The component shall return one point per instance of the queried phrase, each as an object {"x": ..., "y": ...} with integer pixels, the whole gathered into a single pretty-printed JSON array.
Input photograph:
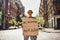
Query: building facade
[
  {"x": 20, "y": 6},
  {"x": 43, "y": 11},
  {"x": 20, "y": 10},
  {"x": 9, "y": 10},
  {"x": 57, "y": 13},
  {"x": 51, "y": 14},
  {"x": 0, "y": 13}
]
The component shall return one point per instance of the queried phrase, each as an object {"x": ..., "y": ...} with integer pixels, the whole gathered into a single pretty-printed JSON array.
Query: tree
[
  {"x": 20, "y": 19},
  {"x": 40, "y": 19},
  {"x": 0, "y": 15},
  {"x": 13, "y": 22},
  {"x": 0, "y": 18}
]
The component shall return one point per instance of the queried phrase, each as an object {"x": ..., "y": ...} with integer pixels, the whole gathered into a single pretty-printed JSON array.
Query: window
[
  {"x": 58, "y": 12},
  {"x": 56, "y": 1}
]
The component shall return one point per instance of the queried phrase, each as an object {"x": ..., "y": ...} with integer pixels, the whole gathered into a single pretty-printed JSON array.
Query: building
[
  {"x": 43, "y": 11},
  {"x": 50, "y": 11},
  {"x": 53, "y": 14},
  {"x": 0, "y": 3},
  {"x": 0, "y": 13},
  {"x": 20, "y": 10},
  {"x": 12, "y": 9},
  {"x": 20, "y": 6},
  {"x": 9, "y": 10},
  {"x": 56, "y": 4}
]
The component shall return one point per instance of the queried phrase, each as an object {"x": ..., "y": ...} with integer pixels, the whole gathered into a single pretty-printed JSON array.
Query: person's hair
[{"x": 30, "y": 11}]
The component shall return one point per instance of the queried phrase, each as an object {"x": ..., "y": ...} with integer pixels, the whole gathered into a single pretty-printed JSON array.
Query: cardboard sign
[{"x": 30, "y": 26}]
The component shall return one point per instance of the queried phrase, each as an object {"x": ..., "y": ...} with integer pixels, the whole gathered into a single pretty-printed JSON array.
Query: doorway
[{"x": 58, "y": 23}]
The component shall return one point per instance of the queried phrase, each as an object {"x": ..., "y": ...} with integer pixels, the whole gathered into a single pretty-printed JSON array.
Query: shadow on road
[{"x": 9, "y": 29}]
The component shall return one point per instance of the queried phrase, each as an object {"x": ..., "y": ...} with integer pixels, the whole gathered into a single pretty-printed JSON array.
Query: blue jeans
[{"x": 31, "y": 37}]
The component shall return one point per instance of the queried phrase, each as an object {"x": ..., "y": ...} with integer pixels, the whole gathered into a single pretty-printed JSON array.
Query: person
[{"x": 30, "y": 12}]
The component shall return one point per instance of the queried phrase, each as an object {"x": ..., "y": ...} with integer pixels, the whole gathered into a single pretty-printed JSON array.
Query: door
[{"x": 58, "y": 23}]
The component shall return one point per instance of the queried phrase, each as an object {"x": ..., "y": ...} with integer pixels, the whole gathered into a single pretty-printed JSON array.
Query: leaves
[
  {"x": 19, "y": 22},
  {"x": 40, "y": 19},
  {"x": 13, "y": 22},
  {"x": 0, "y": 15},
  {"x": 21, "y": 15}
]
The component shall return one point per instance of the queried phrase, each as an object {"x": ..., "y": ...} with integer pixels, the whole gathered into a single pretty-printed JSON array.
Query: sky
[{"x": 31, "y": 5}]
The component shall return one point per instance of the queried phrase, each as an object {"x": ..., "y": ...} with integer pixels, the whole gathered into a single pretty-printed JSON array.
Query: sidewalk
[{"x": 50, "y": 30}]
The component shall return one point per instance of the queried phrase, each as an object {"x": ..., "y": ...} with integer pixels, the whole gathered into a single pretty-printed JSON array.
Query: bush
[
  {"x": 13, "y": 22},
  {"x": 40, "y": 19}
]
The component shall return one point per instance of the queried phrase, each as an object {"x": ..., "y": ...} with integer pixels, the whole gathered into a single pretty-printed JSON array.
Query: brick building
[
  {"x": 50, "y": 12},
  {"x": 9, "y": 10},
  {"x": 20, "y": 6},
  {"x": 43, "y": 11},
  {"x": 50, "y": 9},
  {"x": 56, "y": 4},
  {"x": 0, "y": 12},
  {"x": 20, "y": 10}
]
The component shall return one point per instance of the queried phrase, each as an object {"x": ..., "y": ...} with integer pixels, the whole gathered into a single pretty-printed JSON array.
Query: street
[{"x": 16, "y": 34}]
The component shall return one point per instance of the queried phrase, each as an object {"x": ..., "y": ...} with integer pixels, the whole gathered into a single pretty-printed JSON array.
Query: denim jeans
[{"x": 31, "y": 37}]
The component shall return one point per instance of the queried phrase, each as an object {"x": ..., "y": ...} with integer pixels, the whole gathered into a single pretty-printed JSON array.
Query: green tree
[
  {"x": 20, "y": 18},
  {"x": 0, "y": 15},
  {"x": 13, "y": 22},
  {"x": 40, "y": 19}
]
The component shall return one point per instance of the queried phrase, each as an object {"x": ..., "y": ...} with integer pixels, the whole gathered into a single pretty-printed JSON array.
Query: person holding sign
[{"x": 30, "y": 27}]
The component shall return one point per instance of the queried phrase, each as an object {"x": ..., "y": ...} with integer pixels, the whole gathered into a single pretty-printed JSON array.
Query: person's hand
[{"x": 22, "y": 26}]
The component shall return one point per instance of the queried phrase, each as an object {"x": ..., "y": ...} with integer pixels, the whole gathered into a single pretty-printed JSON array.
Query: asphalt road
[{"x": 17, "y": 35}]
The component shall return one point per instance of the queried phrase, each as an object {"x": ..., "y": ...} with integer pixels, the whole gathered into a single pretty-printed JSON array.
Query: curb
[{"x": 49, "y": 30}]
